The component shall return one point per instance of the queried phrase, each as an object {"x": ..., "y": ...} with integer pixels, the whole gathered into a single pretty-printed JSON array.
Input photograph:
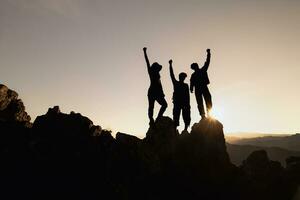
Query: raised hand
[
  {"x": 172, "y": 72},
  {"x": 147, "y": 59}
]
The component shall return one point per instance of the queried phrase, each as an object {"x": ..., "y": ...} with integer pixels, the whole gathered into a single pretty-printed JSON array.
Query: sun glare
[{"x": 217, "y": 113}]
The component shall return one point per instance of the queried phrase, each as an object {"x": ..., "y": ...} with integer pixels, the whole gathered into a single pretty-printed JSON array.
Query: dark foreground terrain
[
  {"x": 238, "y": 153},
  {"x": 66, "y": 156}
]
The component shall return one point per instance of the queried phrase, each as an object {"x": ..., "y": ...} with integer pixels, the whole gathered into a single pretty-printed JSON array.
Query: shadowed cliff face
[{"x": 66, "y": 156}]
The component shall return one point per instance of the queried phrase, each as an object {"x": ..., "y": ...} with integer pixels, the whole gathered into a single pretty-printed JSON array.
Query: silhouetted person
[
  {"x": 155, "y": 91},
  {"x": 199, "y": 81},
  {"x": 181, "y": 98}
]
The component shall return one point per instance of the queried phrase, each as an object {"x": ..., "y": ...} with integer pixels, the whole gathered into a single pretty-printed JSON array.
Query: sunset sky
[{"x": 86, "y": 56}]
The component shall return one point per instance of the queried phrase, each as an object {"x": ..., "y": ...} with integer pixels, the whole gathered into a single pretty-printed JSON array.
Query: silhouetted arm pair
[
  {"x": 206, "y": 64},
  {"x": 147, "y": 59},
  {"x": 172, "y": 72}
]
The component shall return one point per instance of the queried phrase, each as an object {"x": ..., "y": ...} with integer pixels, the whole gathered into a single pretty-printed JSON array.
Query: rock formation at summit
[{"x": 67, "y": 156}]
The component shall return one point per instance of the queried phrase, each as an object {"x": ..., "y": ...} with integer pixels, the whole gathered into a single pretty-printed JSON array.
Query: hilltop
[{"x": 63, "y": 155}]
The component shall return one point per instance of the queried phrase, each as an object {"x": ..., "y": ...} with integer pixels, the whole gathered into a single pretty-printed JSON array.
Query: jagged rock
[
  {"x": 96, "y": 130},
  {"x": 127, "y": 140},
  {"x": 55, "y": 123},
  {"x": 209, "y": 135},
  {"x": 211, "y": 131},
  {"x": 201, "y": 155},
  {"x": 163, "y": 129},
  {"x": 12, "y": 109},
  {"x": 6, "y": 96},
  {"x": 162, "y": 133},
  {"x": 106, "y": 138},
  {"x": 161, "y": 138}
]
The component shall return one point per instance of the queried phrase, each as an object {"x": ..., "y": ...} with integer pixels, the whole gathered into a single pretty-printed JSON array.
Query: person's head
[
  {"x": 182, "y": 76},
  {"x": 156, "y": 67},
  {"x": 194, "y": 66}
]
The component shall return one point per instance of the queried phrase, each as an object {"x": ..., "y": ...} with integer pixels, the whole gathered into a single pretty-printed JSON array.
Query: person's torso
[
  {"x": 181, "y": 93},
  {"x": 155, "y": 84},
  {"x": 200, "y": 78}
]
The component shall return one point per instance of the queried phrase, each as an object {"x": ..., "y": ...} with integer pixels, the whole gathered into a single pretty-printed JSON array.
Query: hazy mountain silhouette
[
  {"x": 67, "y": 156},
  {"x": 291, "y": 142}
]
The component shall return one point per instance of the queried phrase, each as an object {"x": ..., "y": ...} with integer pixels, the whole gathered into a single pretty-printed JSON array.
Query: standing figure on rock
[
  {"x": 181, "y": 98},
  {"x": 155, "y": 91},
  {"x": 199, "y": 81}
]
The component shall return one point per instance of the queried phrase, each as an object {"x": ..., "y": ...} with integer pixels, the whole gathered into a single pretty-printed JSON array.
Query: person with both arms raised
[{"x": 181, "y": 98}]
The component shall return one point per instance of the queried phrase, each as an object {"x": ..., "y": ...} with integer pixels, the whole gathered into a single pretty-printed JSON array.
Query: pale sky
[{"x": 86, "y": 56}]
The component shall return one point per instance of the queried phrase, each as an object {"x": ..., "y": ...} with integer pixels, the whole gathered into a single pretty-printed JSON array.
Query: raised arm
[
  {"x": 206, "y": 64},
  {"x": 172, "y": 72},
  {"x": 146, "y": 58}
]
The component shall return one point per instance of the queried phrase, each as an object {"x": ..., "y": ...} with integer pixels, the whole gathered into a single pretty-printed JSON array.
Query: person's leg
[
  {"x": 150, "y": 109},
  {"x": 186, "y": 114},
  {"x": 162, "y": 101},
  {"x": 176, "y": 114},
  {"x": 199, "y": 100},
  {"x": 207, "y": 98}
]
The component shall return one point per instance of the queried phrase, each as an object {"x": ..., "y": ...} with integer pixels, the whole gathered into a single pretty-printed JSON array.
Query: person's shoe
[
  {"x": 184, "y": 133},
  {"x": 186, "y": 128}
]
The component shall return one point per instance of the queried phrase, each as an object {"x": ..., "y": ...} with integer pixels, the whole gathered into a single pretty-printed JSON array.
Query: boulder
[
  {"x": 161, "y": 138},
  {"x": 208, "y": 138},
  {"x": 163, "y": 130}
]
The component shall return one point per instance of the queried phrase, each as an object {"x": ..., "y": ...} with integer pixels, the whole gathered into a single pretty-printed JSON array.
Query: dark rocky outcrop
[
  {"x": 12, "y": 109},
  {"x": 67, "y": 156},
  {"x": 266, "y": 177},
  {"x": 293, "y": 169},
  {"x": 57, "y": 124}
]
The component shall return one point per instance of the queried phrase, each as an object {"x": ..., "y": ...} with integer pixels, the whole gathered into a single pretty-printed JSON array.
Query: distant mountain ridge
[{"x": 290, "y": 142}]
